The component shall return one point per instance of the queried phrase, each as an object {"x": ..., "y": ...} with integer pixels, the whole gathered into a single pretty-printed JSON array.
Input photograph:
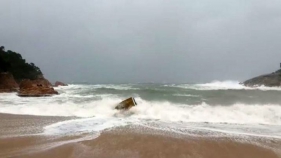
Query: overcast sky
[{"x": 129, "y": 41}]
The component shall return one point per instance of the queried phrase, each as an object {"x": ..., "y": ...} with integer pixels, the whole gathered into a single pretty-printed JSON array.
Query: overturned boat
[{"x": 126, "y": 104}]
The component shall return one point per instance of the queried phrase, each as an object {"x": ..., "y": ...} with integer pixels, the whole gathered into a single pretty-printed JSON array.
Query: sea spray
[
  {"x": 220, "y": 106},
  {"x": 165, "y": 111},
  {"x": 222, "y": 85}
]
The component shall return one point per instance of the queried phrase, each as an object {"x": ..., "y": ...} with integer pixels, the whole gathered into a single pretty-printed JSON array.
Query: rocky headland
[
  {"x": 16, "y": 75},
  {"x": 268, "y": 80}
]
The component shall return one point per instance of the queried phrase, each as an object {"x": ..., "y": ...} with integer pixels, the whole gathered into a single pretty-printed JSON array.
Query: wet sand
[{"x": 20, "y": 138}]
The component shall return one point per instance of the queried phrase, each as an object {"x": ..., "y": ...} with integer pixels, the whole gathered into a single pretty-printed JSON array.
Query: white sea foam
[
  {"x": 223, "y": 85},
  {"x": 237, "y": 113},
  {"x": 186, "y": 95},
  {"x": 117, "y": 87},
  {"x": 255, "y": 120},
  {"x": 97, "y": 86},
  {"x": 83, "y": 125},
  {"x": 165, "y": 111},
  {"x": 45, "y": 107},
  {"x": 98, "y": 113}
]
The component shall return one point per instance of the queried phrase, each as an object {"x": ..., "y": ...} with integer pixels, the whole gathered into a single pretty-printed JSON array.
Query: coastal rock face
[
  {"x": 36, "y": 88},
  {"x": 58, "y": 83},
  {"x": 8, "y": 83},
  {"x": 269, "y": 80},
  {"x": 126, "y": 104}
]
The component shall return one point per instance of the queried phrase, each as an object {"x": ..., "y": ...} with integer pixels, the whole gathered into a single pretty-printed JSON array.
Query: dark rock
[
  {"x": 58, "y": 83},
  {"x": 269, "y": 80},
  {"x": 8, "y": 83},
  {"x": 126, "y": 104},
  {"x": 36, "y": 88}
]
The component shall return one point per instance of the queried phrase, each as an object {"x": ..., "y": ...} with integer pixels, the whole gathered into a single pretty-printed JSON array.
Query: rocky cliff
[
  {"x": 8, "y": 83},
  {"x": 269, "y": 80},
  {"x": 14, "y": 69}
]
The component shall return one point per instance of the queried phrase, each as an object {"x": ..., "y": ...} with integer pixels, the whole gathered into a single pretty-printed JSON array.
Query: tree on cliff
[{"x": 14, "y": 63}]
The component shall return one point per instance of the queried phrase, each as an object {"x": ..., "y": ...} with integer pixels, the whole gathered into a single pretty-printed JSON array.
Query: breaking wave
[
  {"x": 93, "y": 108},
  {"x": 165, "y": 111},
  {"x": 97, "y": 86},
  {"x": 224, "y": 85},
  {"x": 238, "y": 118}
]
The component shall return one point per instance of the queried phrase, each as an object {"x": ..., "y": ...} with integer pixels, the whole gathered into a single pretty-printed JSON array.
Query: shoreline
[
  {"x": 128, "y": 141},
  {"x": 17, "y": 125}
]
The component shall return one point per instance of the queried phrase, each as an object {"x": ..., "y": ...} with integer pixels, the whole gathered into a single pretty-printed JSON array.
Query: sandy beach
[
  {"x": 140, "y": 79},
  {"x": 20, "y": 137}
]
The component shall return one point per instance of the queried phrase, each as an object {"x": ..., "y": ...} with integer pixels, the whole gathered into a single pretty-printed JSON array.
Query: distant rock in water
[
  {"x": 58, "y": 83},
  {"x": 8, "y": 83},
  {"x": 126, "y": 104},
  {"x": 269, "y": 80},
  {"x": 36, "y": 88}
]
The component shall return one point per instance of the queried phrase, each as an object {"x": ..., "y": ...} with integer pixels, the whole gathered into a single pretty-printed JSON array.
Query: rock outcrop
[
  {"x": 36, "y": 88},
  {"x": 8, "y": 83},
  {"x": 269, "y": 80},
  {"x": 126, "y": 104},
  {"x": 58, "y": 83}
]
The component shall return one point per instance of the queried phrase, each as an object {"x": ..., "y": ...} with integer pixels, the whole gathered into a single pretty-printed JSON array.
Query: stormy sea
[{"x": 216, "y": 119}]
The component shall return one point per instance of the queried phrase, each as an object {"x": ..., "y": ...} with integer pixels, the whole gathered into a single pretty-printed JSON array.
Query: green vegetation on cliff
[{"x": 14, "y": 63}]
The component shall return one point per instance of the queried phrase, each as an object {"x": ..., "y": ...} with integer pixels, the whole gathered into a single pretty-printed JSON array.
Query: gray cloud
[{"x": 145, "y": 41}]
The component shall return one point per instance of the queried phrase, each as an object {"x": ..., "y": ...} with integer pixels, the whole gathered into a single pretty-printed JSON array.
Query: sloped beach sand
[{"x": 20, "y": 138}]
